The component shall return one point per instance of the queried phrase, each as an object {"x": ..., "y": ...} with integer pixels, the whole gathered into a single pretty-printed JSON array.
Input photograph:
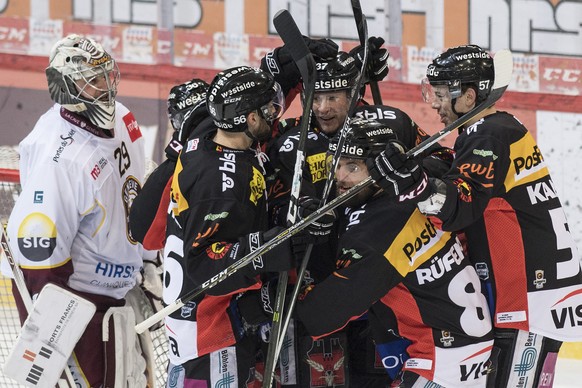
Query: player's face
[
  {"x": 260, "y": 129},
  {"x": 330, "y": 110},
  {"x": 350, "y": 172},
  {"x": 442, "y": 103}
]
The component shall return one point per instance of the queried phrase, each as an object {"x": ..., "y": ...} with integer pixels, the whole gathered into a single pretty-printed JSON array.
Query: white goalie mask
[{"x": 83, "y": 78}]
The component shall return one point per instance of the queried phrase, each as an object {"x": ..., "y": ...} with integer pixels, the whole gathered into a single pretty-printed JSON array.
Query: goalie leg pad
[
  {"x": 130, "y": 365},
  {"x": 48, "y": 337},
  {"x": 142, "y": 307}
]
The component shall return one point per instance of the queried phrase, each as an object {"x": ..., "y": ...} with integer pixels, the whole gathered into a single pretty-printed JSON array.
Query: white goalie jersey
[{"x": 72, "y": 215}]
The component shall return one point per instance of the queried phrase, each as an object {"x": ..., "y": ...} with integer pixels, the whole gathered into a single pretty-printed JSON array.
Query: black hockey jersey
[
  {"x": 391, "y": 257},
  {"x": 218, "y": 195},
  {"x": 500, "y": 193}
]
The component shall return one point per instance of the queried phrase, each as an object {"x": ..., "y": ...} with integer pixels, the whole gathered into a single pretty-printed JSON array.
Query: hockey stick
[
  {"x": 503, "y": 65},
  {"x": 330, "y": 177},
  {"x": 67, "y": 380},
  {"x": 363, "y": 35},
  {"x": 233, "y": 268},
  {"x": 503, "y": 69},
  {"x": 291, "y": 36}
]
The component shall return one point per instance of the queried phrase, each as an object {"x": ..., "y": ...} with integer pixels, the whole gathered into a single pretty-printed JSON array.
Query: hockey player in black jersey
[
  {"x": 500, "y": 193},
  {"x": 334, "y": 89},
  {"x": 217, "y": 215},
  {"x": 186, "y": 110},
  {"x": 412, "y": 280}
]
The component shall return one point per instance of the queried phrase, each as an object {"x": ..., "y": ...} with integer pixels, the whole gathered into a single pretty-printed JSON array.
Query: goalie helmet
[
  {"x": 185, "y": 99},
  {"x": 458, "y": 66},
  {"x": 237, "y": 91},
  {"x": 83, "y": 78},
  {"x": 340, "y": 73},
  {"x": 364, "y": 138}
]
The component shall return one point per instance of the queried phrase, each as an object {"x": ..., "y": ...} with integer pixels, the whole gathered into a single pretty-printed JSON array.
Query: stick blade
[{"x": 503, "y": 65}]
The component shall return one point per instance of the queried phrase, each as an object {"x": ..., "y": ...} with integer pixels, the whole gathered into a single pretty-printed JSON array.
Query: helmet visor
[
  {"x": 96, "y": 84},
  {"x": 440, "y": 92},
  {"x": 274, "y": 109}
]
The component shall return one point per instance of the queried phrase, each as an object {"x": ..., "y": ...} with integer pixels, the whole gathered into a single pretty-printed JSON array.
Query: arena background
[{"x": 160, "y": 45}]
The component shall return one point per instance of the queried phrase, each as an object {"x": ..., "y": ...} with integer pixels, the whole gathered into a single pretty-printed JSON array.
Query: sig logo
[{"x": 37, "y": 237}]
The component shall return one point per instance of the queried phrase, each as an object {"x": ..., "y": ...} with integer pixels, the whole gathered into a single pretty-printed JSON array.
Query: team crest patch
[
  {"x": 217, "y": 250},
  {"x": 327, "y": 362}
]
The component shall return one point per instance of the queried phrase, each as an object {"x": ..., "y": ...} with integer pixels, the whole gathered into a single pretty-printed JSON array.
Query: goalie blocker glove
[
  {"x": 281, "y": 65},
  {"x": 400, "y": 177},
  {"x": 377, "y": 68}
]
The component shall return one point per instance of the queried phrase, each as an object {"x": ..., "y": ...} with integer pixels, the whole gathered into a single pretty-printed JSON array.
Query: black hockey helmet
[
  {"x": 237, "y": 91},
  {"x": 364, "y": 138},
  {"x": 339, "y": 73},
  {"x": 185, "y": 98},
  {"x": 458, "y": 66}
]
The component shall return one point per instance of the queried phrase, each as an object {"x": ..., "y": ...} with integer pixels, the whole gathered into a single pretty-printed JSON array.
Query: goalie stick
[
  {"x": 503, "y": 69},
  {"x": 363, "y": 35},
  {"x": 291, "y": 36}
]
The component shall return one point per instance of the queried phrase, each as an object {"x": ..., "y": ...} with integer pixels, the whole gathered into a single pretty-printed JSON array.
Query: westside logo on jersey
[
  {"x": 37, "y": 237},
  {"x": 132, "y": 127}
]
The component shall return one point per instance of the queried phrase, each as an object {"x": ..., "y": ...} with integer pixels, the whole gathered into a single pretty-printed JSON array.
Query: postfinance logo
[
  {"x": 257, "y": 185},
  {"x": 37, "y": 237}
]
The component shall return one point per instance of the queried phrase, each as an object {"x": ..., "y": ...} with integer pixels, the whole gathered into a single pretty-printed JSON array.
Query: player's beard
[{"x": 361, "y": 197}]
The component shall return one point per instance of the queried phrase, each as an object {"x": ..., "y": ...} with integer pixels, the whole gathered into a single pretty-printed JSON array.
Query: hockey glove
[
  {"x": 277, "y": 259},
  {"x": 256, "y": 307},
  {"x": 377, "y": 68},
  {"x": 280, "y": 63},
  {"x": 399, "y": 176},
  {"x": 317, "y": 232}
]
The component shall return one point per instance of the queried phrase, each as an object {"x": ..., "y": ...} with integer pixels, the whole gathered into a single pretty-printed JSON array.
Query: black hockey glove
[
  {"x": 256, "y": 307},
  {"x": 377, "y": 68},
  {"x": 282, "y": 257},
  {"x": 319, "y": 231},
  {"x": 280, "y": 63},
  {"x": 399, "y": 176}
]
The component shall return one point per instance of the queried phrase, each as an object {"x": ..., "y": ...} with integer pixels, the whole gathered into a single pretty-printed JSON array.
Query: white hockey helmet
[{"x": 83, "y": 78}]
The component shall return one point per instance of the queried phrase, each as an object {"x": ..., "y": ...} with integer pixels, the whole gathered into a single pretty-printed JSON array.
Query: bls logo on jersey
[
  {"x": 375, "y": 113},
  {"x": 37, "y": 237}
]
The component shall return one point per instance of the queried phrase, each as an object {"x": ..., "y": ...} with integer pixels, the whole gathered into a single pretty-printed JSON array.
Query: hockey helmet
[
  {"x": 237, "y": 91},
  {"x": 184, "y": 99},
  {"x": 339, "y": 73},
  {"x": 458, "y": 66},
  {"x": 83, "y": 78},
  {"x": 364, "y": 138}
]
